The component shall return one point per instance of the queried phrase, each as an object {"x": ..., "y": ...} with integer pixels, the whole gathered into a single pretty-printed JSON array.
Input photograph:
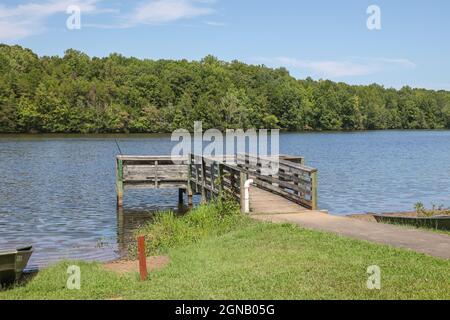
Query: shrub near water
[
  {"x": 170, "y": 231},
  {"x": 435, "y": 211}
]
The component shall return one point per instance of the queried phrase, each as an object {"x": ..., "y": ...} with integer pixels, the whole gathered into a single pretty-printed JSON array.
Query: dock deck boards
[
  {"x": 264, "y": 202},
  {"x": 295, "y": 184},
  {"x": 209, "y": 176}
]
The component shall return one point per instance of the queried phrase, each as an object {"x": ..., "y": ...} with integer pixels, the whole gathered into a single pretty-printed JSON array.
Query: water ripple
[{"x": 58, "y": 192}]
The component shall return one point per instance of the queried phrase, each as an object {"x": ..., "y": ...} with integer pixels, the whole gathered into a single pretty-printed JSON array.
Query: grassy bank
[
  {"x": 235, "y": 258},
  {"x": 169, "y": 231}
]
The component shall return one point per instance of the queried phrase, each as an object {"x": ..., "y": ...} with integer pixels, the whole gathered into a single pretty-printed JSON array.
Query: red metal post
[{"x": 142, "y": 258}]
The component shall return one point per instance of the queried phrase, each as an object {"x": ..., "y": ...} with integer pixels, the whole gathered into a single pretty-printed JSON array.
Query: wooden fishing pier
[{"x": 292, "y": 187}]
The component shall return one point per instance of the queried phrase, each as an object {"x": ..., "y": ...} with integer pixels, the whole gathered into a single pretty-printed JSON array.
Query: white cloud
[
  {"x": 400, "y": 62},
  {"x": 165, "y": 11},
  {"x": 215, "y": 24},
  {"x": 23, "y": 20},
  {"x": 28, "y": 19},
  {"x": 351, "y": 67},
  {"x": 330, "y": 69}
]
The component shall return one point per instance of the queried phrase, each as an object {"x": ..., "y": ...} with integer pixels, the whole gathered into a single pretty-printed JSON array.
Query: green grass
[
  {"x": 242, "y": 259},
  {"x": 411, "y": 226},
  {"x": 206, "y": 221}
]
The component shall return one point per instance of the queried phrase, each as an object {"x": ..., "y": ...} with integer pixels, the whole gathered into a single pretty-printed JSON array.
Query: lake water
[{"x": 58, "y": 192}]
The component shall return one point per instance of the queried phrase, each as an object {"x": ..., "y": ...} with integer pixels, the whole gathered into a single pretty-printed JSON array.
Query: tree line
[{"x": 79, "y": 94}]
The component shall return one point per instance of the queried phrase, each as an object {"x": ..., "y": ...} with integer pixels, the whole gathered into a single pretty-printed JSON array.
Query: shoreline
[
  {"x": 282, "y": 131},
  {"x": 370, "y": 216},
  {"x": 158, "y": 262},
  {"x": 292, "y": 260}
]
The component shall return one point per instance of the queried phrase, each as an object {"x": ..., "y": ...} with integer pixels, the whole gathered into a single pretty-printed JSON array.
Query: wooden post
[
  {"x": 119, "y": 183},
  {"x": 156, "y": 174},
  {"x": 243, "y": 179},
  {"x": 180, "y": 196},
  {"x": 220, "y": 178},
  {"x": 197, "y": 174},
  {"x": 213, "y": 186},
  {"x": 314, "y": 190},
  {"x": 121, "y": 229},
  {"x": 203, "y": 181},
  {"x": 190, "y": 197},
  {"x": 189, "y": 183},
  {"x": 142, "y": 258},
  {"x": 297, "y": 177}
]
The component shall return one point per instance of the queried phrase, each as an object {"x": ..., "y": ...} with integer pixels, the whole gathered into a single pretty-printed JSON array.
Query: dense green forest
[{"x": 76, "y": 93}]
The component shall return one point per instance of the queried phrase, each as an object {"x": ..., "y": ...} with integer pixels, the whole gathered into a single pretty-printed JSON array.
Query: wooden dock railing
[
  {"x": 293, "y": 180},
  {"x": 150, "y": 172},
  {"x": 210, "y": 176}
]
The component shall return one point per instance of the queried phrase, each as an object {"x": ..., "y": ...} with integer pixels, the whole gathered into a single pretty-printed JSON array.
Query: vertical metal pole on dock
[
  {"x": 142, "y": 258},
  {"x": 119, "y": 182}
]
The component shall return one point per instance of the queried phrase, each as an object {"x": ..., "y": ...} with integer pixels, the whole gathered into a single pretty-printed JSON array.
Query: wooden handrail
[
  {"x": 198, "y": 175},
  {"x": 293, "y": 181}
]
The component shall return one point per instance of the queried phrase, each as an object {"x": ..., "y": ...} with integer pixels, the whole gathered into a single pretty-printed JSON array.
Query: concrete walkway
[{"x": 427, "y": 242}]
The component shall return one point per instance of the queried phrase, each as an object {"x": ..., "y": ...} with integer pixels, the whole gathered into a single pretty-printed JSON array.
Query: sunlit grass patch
[{"x": 228, "y": 256}]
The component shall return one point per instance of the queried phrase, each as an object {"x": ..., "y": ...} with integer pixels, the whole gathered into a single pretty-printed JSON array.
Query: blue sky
[{"x": 321, "y": 38}]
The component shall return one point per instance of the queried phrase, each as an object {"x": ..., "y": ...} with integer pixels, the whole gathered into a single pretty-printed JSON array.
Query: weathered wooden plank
[
  {"x": 150, "y": 167},
  {"x": 266, "y": 202},
  {"x": 294, "y": 181},
  {"x": 160, "y": 177},
  {"x": 295, "y": 176},
  {"x": 151, "y": 185},
  {"x": 155, "y": 174},
  {"x": 294, "y": 159},
  {"x": 152, "y": 158},
  {"x": 314, "y": 199},
  {"x": 284, "y": 184},
  {"x": 287, "y": 195}
]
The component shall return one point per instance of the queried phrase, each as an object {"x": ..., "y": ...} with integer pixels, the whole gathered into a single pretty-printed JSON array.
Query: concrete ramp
[{"x": 272, "y": 208}]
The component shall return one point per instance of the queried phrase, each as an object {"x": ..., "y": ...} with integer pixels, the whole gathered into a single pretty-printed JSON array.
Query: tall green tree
[{"x": 77, "y": 93}]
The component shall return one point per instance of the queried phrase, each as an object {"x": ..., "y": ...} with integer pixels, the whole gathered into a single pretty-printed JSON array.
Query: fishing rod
[{"x": 118, "y": 147}]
